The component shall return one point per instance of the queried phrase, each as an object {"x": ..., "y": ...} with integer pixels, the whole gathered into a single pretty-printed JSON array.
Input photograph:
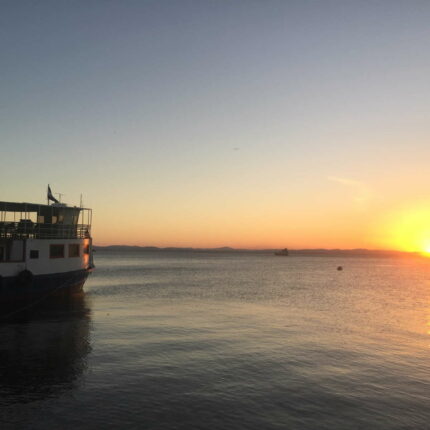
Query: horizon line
[{"x": 255, "y": 249}]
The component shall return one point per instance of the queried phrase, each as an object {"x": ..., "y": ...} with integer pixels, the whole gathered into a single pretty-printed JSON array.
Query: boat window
[
  {"x": 56, "y": 251},
  {"x": 54, "y": 219},
  {"x": 40, "y": 219},
  {"x": 34, "y": 253},
  {"x": 74, "y": 250}
]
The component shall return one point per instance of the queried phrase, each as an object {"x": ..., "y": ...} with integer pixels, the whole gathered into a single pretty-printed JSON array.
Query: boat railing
[{"x": 26, "y": 229}]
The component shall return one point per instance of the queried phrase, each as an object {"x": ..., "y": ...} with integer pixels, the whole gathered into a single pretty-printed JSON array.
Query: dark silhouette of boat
[
  {"x": 44, "y": 249},
  {"x": 283, "y": 252}
]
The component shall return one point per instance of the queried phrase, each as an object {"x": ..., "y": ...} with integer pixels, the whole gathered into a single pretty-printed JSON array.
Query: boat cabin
[{"x": 21, "y": 221}]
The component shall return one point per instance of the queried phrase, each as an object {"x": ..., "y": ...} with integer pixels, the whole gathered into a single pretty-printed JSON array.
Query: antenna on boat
[
  {"x": 59, "y": 196},
  {"x": 81, "y": 204}
]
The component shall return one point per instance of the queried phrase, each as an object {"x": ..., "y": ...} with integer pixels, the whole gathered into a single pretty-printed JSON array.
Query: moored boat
[{"x": 45, "y": 249}]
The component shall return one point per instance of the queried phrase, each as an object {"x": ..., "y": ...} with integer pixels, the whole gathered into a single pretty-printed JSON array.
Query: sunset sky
[{"x": 254, "y": 124}]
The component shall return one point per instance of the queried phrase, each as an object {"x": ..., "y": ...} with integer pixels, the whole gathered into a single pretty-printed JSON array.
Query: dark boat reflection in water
[{"x": 43, "y": 349}]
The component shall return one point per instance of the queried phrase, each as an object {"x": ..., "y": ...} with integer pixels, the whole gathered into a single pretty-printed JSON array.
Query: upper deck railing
[
  {"x": 26, "y": 229},
  {"x": 35, "y": 221}
]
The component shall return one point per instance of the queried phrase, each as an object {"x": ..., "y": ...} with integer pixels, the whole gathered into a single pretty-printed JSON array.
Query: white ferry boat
[{"x": 44, "y": 249}]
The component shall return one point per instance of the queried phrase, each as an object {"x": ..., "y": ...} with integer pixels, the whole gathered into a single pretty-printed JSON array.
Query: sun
[
  {"x": 409, "y": 230},
  {"x": 425, "y": 244}
]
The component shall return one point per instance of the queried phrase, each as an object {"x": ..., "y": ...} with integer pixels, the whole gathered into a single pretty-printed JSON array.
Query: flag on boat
[{"x": 51, "y": 196}]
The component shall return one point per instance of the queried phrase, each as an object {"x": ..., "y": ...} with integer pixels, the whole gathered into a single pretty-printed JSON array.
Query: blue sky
[{"x": 214, "y": 109}]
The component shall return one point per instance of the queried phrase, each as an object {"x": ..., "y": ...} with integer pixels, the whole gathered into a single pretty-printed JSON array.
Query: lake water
[{"x": 225, "y": 341}]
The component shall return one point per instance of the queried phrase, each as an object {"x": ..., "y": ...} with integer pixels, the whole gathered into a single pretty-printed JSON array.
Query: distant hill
[
  {"x": 292, "y": 252},
  {"x": 168, "y": 249}
]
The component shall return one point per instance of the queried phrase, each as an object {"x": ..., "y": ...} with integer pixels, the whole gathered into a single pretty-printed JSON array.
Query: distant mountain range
[{"x": 292, "y": 252}]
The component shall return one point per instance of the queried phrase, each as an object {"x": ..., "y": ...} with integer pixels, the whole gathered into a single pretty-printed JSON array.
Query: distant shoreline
[{"x": 292, "y": 252}]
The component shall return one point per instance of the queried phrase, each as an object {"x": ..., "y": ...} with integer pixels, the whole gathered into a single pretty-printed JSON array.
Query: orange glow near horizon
[
  {"x": 330, "y": 220},
  {"x": 397, "y": 229},
  {"x": 236, "y": 230}
]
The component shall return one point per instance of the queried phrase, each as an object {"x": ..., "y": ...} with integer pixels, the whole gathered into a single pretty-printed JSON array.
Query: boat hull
[{"x": 40, "y": 286}]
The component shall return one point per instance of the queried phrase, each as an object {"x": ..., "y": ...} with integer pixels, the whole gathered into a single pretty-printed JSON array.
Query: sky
[{"x": 252, "y": 124}]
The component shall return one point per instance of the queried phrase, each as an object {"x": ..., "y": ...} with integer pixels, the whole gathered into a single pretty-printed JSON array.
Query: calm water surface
[{"x": 220, "y": 341}]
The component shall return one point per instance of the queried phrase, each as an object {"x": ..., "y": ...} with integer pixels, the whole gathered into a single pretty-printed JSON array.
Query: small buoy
[{"x": 339, "y": 268}]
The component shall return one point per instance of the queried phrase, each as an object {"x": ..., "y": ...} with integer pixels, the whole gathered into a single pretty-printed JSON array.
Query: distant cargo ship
[
  {"x": 284, "y": 252},
  {"x": 44, "y": 249}
]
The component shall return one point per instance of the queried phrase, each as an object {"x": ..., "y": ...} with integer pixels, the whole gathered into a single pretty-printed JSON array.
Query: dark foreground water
[{"x": 219, "y": 341}]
